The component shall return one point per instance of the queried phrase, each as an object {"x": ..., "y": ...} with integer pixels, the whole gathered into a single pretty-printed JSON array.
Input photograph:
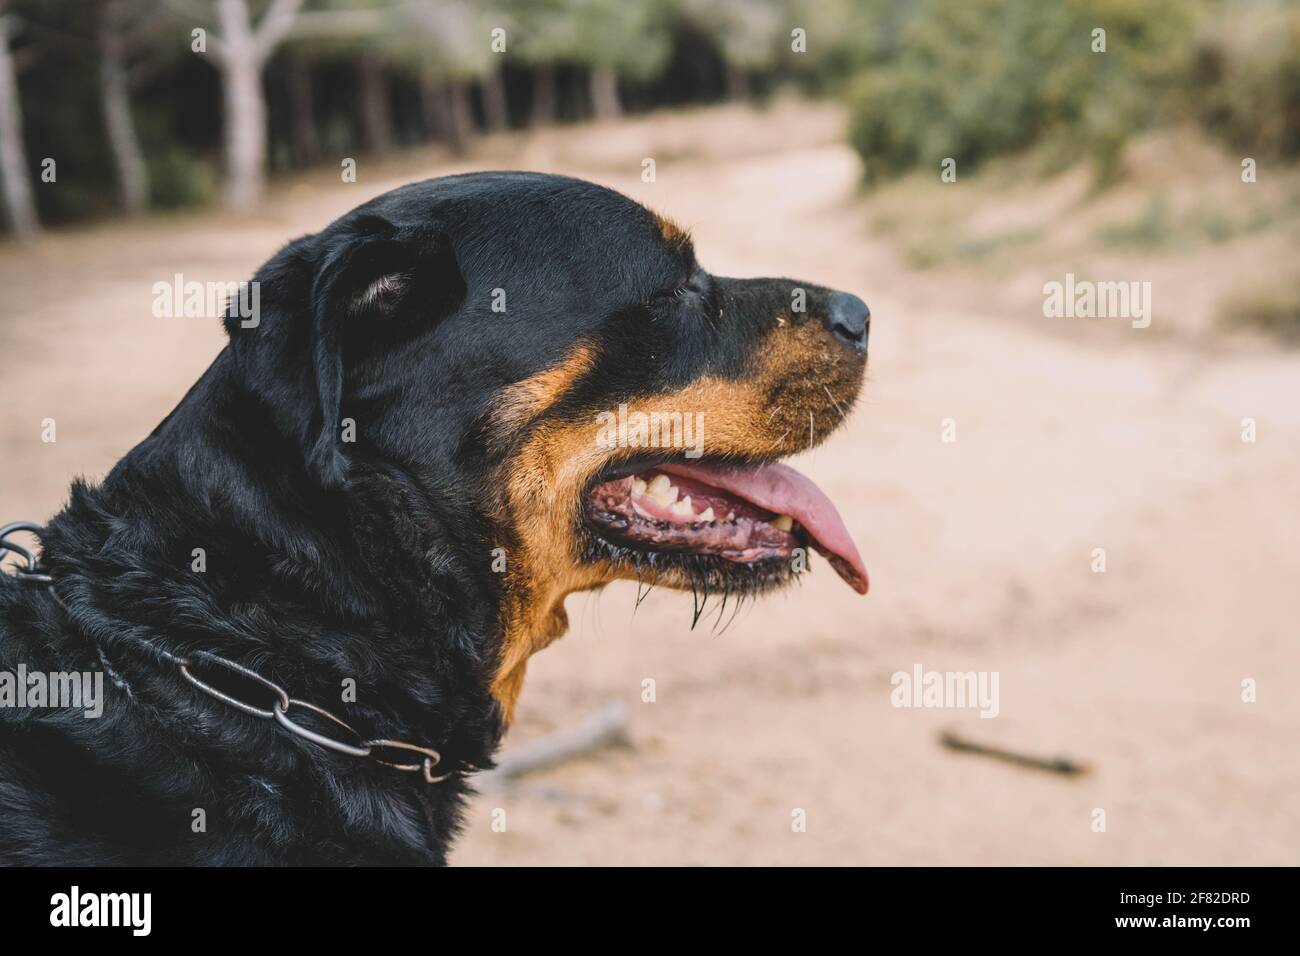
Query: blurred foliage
[
  {"x": 1273, "y": 310},
  {"x": 924, "y": 79},
  {"x": 976, "y": 78},
  {"x": 750, "y": 33},
  {"x": 59, "y": 131},
  {"x": 1152, "y": 228},
  {"x": 847, "y": 38},
  {"x": 1246, "y": 78},
  {"x": 629, "y": 36},
  {"x": 178, "y": 178},
  {"x": 446, "y": 39}
]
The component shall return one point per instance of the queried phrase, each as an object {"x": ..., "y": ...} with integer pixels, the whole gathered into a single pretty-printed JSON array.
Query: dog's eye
[
  {"x": 696, "y": 285},
  {"x": 691, "y": 287}
]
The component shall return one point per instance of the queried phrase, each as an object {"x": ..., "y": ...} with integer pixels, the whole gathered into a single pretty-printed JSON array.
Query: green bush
[
  {"x": 1273, "y": 310},
  {"x": 1246, "y": 79},
  {"x": 977, "y": 78},
  {"x": 178, "y": 178}
]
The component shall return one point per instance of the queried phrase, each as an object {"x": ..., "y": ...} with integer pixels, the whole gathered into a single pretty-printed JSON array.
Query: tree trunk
[
  {"x": 245, "y": 106},
  {"x": 605, "y": 102},
  {"x": 545, "y": 97},
  {"x": 20, "y": 207},
  {"x": 435, "y": 102},
  {"x": 737, "y": 83},
  {"x": 302, "y": 107},
  {"x": 462, "y": 117},
  {"x": 245, "y": 132},
  {"x": 376, "y": 127},
  {"x": 115, "y": 101},
  {"x": 496, "y": 114},
  {"x": 434, "y": 108}
]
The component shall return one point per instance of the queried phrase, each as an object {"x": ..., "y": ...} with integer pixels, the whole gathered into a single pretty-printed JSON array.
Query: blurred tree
[
  {"x": 450, "y": 47},
  {"x": 373, "y": 106},
  {"x": 351, "y": 32},
  {"x": 303, "y": 136},
  {"x": 613, "y": 38},
  {"x": 843, "y": 37},
  {"x": 1245, "y": 85},
  {"x": 124, "y": 30},
  {"x": 546, "y": 95},
  {"x": 977, "y": 78},
  {"x": 239, "y": 50},
  {"x": 545, "y": 37},
  {"x": 620, "y": 39},
  {"x": 122, "y": 40},
  {"x": 447, "y": 111},
  {"x": 368, "y": 33},
  {"x": 750, "y": 34},
  {"x": 496, "y": 109},
  {"x": 20, "y": 206}
]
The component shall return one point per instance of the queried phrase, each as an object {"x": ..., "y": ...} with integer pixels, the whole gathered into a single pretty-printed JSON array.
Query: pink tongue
[{"x": 781, "y": 489}]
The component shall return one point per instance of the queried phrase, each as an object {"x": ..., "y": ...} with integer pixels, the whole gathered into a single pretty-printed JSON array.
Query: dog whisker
[{"x": 837, "y": 405}]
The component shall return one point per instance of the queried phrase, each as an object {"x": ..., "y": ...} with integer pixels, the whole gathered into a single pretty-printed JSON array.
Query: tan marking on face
[
  {"x": 764, "y": 413},
  {"x": 525, "y": 400}
]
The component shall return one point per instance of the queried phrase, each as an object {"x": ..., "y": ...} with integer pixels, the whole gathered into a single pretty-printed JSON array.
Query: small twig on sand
[
  {"x": 607, "y": 727},
  {"x": 1061, "y": 765}
]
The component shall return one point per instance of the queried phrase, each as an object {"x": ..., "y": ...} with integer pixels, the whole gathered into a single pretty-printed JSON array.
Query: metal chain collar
[{"x": 426, "y": 759}]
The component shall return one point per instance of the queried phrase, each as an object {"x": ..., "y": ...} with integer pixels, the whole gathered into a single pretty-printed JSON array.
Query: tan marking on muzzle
[{"x": 544, "y": 480}]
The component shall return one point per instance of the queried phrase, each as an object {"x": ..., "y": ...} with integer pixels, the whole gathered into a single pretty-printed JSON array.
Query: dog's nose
[{"x": 848, "y": 319}]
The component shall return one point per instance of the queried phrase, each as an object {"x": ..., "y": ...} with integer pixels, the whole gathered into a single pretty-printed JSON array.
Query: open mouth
[{"x": 738, "y": 518}]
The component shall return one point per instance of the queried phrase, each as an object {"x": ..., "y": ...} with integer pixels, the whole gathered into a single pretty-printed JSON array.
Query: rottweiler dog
[{"x": 314, "y": 589}]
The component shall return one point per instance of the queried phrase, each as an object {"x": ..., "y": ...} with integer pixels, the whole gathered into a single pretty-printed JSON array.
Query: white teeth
[
  {"x": 662, "y": 490},
  {"x": 665, "y": 493},
  {"x": 784, "y": 522}
]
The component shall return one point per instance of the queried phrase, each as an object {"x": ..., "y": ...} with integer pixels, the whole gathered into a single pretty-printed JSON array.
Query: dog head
[{"x": 555, "y": 365}]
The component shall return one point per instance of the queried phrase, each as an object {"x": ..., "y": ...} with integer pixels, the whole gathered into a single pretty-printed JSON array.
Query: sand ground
[{"x": 1071, "y": 435}]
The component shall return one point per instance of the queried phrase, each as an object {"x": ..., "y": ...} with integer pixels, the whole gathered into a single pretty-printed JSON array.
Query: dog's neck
[{"x": 190, "y": 545}]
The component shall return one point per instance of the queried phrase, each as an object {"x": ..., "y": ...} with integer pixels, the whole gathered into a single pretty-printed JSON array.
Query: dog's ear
[
  {"x": 373, "y": 286},
  {"x": 334, "y": 299},
  {"x": 354, "y": 266}
]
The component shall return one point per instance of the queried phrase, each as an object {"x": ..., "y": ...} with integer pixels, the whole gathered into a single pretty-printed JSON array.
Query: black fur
[{"x": 329, "y": 560}]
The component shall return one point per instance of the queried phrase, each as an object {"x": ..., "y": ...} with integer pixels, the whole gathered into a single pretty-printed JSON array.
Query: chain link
[
  {"x": 33, "y": 573},
  {"x": 427, "y": 758}
]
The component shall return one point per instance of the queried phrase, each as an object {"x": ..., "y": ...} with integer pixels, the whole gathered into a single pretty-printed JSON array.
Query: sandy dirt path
[{"x": 980, "y": 549}]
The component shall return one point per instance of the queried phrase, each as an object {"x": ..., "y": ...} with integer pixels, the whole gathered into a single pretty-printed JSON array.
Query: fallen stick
[
  {"x": 1061, "y": 765},
  {"x": 607, "y": 727}
]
